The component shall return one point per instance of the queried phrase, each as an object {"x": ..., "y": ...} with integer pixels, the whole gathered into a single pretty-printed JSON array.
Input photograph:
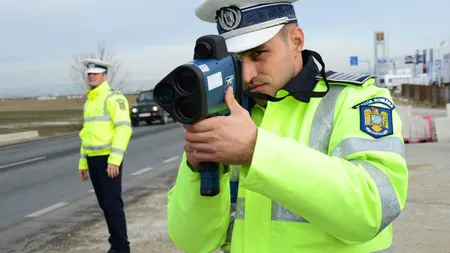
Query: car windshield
[{"x": 146, "y": 96}]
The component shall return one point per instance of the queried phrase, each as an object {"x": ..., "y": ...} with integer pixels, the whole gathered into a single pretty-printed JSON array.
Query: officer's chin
[{"x": 93, "y": 85}]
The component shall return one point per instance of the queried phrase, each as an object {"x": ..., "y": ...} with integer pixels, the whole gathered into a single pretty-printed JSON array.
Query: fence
[{"x": 434, "y": 95}]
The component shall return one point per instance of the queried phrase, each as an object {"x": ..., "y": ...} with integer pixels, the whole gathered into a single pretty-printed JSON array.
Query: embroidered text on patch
[
  {"x": 376, "y": 100},
  {"x": 376, "y": 121}
]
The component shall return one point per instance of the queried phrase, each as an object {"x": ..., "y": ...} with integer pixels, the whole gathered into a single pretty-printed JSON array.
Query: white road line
[
  {"x": 91, "y": 190},
  {"x": 22, "y": 162},
  {"x": 142, "y": 171},
  {"x": 171, "y": 159},
  {"x": 48, "y": 209}
]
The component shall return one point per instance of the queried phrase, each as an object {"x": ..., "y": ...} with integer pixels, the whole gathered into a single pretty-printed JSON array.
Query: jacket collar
[
  {"x": 101, "y": 89},
  {"x": 306, "y": 79}
]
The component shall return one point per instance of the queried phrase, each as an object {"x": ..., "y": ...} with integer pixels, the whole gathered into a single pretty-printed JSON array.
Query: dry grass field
[
  {"x": 20, "y": 105},
  {"x": 49, "y": 117}
]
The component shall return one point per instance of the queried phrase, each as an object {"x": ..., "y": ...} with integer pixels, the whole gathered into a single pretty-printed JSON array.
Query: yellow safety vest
[
  {"x": 326, "y": 176},
  {"x": 106, "y": 125}
]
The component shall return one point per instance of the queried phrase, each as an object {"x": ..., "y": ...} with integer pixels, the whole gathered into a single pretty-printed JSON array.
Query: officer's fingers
[
  {"x": 192, "y": 161},
  {"x": 82, "y": 175},
  {"x": 108, "y": 170},
  {"x": 197, "y": 137},
  {"x": 204, "y": 125},
  {"x": 231, "y": 102},
  {"x": 201, "y": 147},
  {"x": 199, "y": 157}
]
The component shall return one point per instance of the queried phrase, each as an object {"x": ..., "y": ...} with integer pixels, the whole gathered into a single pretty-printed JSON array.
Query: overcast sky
[{"x": 38, "y": 38}]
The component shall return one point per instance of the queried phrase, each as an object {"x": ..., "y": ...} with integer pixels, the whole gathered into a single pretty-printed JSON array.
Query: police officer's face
[
  {"x": 95, "y": 79},
  {"x": 269, "y": 67}
]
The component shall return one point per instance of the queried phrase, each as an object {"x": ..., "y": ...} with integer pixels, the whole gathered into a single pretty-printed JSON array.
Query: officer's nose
[{"x": 248, "y": 70}]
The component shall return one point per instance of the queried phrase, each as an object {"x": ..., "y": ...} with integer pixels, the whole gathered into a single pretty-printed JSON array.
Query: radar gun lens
[
  {"x": 164, "y": 93},
  {"x": 186, "y": 108},
  {"x": 187, "y": 81}
]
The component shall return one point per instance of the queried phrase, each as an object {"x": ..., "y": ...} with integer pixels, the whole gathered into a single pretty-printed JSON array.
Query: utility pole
[{"x": 441, "y": 56}]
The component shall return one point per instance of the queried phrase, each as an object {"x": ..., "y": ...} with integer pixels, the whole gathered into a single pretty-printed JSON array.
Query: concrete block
[
  {"x": 5, "y": 138},
  {"x": 442, "y": 126}
]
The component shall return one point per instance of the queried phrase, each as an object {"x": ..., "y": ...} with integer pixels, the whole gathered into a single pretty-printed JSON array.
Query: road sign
[
  {"x": 353, "y": 60},
  {"x": 382, "y": 61},
  {"x": 438, "y": 64},
  {"x": 409, "y": 59},
  {"x": 430, "y": 68}
]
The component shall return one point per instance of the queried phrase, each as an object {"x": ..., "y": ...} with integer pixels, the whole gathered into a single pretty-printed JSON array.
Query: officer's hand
[
  {"x": 84, "y": 175},
  {"x": 224, "y": 139},
  {"x": 112, "y": 170}
]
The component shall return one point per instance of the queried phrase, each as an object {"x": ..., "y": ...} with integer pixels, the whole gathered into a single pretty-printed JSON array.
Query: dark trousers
[{"x": 109, "y": 195}]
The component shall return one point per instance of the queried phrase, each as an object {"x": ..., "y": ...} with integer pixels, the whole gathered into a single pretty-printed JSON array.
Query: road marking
[
  {"x": 91, "y": 190},
  {"x": 142, "y": 171},
  {"x": 171, "y": 159},
  {"x": 22, "y": 162},
  {"x": 48, "y": 209}
]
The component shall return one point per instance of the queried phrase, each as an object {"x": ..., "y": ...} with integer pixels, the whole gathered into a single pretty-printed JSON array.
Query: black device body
[{"x": 196, "y": 90}]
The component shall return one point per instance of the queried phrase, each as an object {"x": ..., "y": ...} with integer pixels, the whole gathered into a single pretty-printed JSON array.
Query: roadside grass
[
  {"x": 45, "y": 131},
  {"x": 19, "y": 105},
  {"x": 49, "y": 117},
  {"x": 14, "y": 117}
]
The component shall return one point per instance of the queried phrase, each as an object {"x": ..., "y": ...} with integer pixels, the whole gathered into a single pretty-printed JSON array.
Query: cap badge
[
  {"x": 91, "y": 65},
  {"x": 229, "y": 18}
]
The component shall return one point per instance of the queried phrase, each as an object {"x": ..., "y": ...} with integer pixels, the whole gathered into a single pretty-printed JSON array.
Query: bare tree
[{"x": 116, "y": 79}]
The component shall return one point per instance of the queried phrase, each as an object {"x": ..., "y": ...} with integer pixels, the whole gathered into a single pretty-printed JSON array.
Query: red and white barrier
[{"x": 416, "y": 128}]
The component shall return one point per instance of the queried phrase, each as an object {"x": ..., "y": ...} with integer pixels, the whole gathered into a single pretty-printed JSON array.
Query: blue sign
[
  {"x": 382, "y": 61},
  {"x": 353, "y": 60},
  {"x": 438, "y": 64},
  {"x": 430, "y": 68}
]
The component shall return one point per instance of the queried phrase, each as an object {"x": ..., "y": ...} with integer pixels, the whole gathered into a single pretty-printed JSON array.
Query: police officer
[
  {"x": 104, "y": 140},
  {"x": 319, "y": 159}
]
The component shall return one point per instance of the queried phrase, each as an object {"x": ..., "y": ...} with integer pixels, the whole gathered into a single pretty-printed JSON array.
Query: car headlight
[
  {"x": 155, "y": 108},
  {"x": 134, "y": 110}
]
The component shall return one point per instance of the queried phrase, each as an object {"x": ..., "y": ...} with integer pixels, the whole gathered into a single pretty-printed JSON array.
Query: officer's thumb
[{"x": 231, "y": 102}]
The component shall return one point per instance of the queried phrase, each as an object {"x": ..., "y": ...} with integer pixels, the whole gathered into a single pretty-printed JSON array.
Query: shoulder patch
[
  {"x": 340, "y": 77},
  {"x": 121, "y": 103},
  {"x": 376, "y": 121}
]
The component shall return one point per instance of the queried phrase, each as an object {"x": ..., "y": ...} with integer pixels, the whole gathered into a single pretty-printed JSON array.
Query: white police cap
[
  {"x": 96, "y": 66},
  {"x": 246, "y": 24}
]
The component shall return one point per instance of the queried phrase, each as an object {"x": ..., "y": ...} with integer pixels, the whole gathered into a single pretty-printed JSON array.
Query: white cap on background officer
[{"x": 96, "y": 66}]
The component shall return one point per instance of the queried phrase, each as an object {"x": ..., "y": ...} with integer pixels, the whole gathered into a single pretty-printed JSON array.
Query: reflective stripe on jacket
[
  {"x": 106, "y": 125},
  {"x": 317, "y": 183}
]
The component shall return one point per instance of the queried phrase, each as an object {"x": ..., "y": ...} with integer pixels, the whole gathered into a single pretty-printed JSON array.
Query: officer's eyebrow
[{"x": 262, "y": 47}]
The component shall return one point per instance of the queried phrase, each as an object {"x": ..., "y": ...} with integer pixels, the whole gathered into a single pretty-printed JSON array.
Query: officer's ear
[{"x": 297, "y": 39}]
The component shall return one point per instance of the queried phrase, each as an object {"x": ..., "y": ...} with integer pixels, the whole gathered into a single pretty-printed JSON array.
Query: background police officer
[{"x": 104, "y": 139}]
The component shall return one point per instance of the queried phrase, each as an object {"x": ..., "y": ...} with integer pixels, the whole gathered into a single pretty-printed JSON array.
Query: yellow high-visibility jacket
[
  {"x": 106, "y": 125},
  {"x": 326, "y": 176}
]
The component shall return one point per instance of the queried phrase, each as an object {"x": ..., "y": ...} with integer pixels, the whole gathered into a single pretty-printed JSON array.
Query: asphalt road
[{"x": 42, "y": 196}]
